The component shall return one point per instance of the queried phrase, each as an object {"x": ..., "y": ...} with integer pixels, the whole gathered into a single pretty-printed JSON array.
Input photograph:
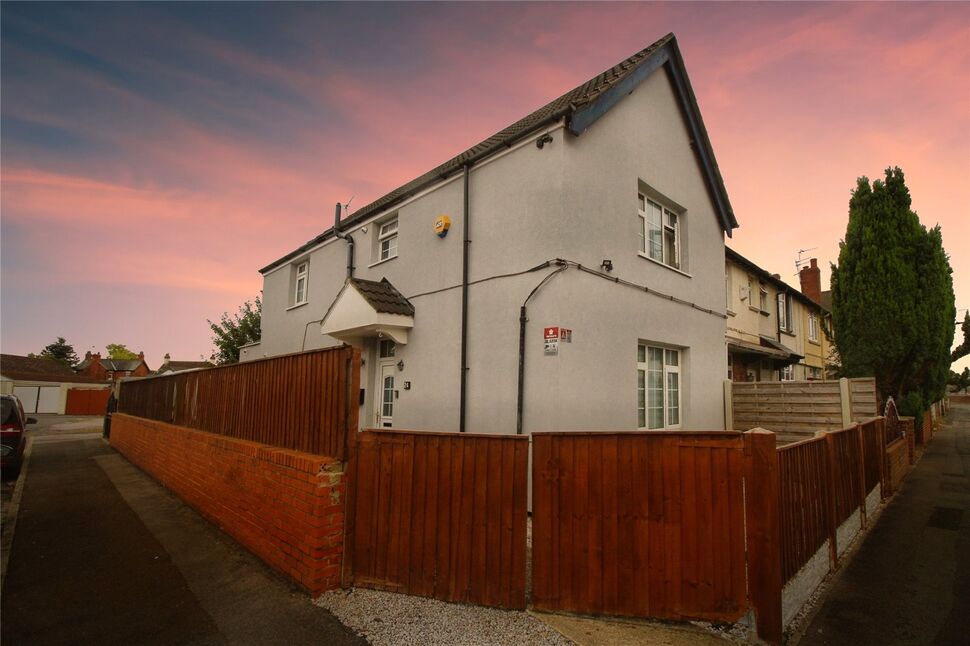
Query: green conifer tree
[{"x": 892, "y": 296}]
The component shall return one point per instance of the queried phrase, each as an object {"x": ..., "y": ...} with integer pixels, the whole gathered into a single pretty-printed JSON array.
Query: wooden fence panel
[
  {"x": 846, "y": 474},
  {"x": 639, "y": 524},
  {"x": 800, "y": 406},
  {"x": 874, "y": 451},
  {"x": 306, "y": 402},
  {"x": 87, "y": 401},
  {"x": 439, "y": 515},
  {"x": 803, "y": 502}
]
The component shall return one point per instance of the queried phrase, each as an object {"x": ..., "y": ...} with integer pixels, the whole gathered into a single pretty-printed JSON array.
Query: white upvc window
[
  {"x": 785, "y": 321},
  {"x": 659, "y": 232},
  {"x": 300, "y": 284},
  {"x": 813, "y": 327},
  {"x": 658, "y": 387},
  {"x": 787, "y": 373},
  {"x": 763, "y": 302},
  {"x": 728, "y": 296},
  {"x": 387, "y": 239}
]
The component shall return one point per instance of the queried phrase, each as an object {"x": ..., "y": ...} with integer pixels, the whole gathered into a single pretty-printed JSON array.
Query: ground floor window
[
  {"x": 787, "y": 373},
  {"x": 658, "y": 387}
]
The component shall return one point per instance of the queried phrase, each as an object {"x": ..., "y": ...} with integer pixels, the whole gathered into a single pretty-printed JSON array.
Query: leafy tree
[
  {"x": 60, "y": 351},
  {"x": 233, "y": 332},
  {"x": 892, "y": 296},
  {"x": 960, "y": 382},
  {"x": 963, "y": 349},
  {"x": 119, "y": 351}
]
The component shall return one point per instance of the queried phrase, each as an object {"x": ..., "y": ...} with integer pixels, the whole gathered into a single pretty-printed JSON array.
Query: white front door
[{"x": 385, "y": 413}]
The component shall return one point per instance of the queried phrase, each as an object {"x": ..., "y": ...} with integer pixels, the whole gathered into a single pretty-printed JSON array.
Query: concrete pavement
[
  {"x": 103, "y": 554},
  {"x": 909, "y": 583}
]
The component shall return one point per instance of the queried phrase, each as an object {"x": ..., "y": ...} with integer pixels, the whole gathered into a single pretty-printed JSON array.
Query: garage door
[{"x": 39, "y": 399}]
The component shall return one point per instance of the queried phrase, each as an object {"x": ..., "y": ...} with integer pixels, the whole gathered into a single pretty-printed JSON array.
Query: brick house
[{"x": 112, "y": 369}]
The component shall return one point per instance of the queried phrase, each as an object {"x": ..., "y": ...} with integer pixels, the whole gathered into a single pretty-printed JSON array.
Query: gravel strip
[{"x": 387, "y": 619}]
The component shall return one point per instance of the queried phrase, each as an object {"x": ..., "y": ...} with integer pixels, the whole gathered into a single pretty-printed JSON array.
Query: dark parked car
[{"x": 13, "y": 423}]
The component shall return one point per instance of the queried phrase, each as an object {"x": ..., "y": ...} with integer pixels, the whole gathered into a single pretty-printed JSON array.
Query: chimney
[
  {"x": 87, "y": 355},
  {"x": 168, "y": 358},
  {"x": 141, "y": 356},
  {"x": 811, "y": 278}
]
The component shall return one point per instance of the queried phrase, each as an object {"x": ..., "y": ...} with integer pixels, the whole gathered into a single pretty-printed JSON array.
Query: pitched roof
[
  {"x": 383, "y": 296},
  {"x": 178, "y": 366},
  {"x": 580, "y": 107},
  {"x": 763, "y": 274},
  {"x": 121, "y": 365},
  {"x": 21, "y": 368}
]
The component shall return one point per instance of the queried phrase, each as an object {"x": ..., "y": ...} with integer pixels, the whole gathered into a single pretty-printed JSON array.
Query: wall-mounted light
[
  {"x": 607, "y": 265},
  {"x": 400, "y": 364},
  {"x": 543, "y": 140}
]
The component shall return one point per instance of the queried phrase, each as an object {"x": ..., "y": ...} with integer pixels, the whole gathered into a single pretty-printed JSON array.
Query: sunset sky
[{"x": 154, "y": 156}]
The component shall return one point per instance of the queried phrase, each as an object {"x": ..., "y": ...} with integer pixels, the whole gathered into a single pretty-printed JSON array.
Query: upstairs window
[
  {"x": 659, "y": 232},
  {"x": 813, "y": 327},
  {"x": 300, "y": 284},
  {"x": 763, "y": 300},
  {"x": 387, "y": 240},
  {"x": 785, "y": 322}
]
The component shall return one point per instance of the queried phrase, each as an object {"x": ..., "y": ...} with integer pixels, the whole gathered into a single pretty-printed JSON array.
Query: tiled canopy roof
[
  {"x": 621, "y": 79},
  {"x": 383, "y": 297}
]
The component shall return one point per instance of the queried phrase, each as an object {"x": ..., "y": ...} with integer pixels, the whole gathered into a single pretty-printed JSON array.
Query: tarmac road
[
  {"x": 910, "y": 581},
  {"x": 103, "y": 554}
]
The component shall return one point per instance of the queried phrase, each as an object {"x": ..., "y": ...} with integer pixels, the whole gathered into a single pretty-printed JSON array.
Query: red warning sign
[{"x": 551, "y": 332}]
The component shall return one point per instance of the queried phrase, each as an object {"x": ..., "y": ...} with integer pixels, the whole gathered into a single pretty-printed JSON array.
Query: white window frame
[
  {"x": 786, "y": 321},
  {"x": 813, "y": 327},
  {"x": 763, "y": 298},
  {"x": 667, "y": 370},
  {"x": 387, "y": 238},
  {"x": 728, "y": 289},
  {"x": 301, "y": 283},
  {"x": 787, "y": 373},
  {"x": 669, "y": 224}
]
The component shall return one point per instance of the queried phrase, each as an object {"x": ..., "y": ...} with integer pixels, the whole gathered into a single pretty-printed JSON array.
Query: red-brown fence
[
  {"x": 823, "y": 481},
  {"x": 639, "y": 524},
  {"x": 306, "y": 402},
  {"x": 439, "y": 515},
  {"x": 873, "y": 451},
  {"x": 846, "y": 471},
  {"x": 86, "y": 401},
  {"x": 804, "y": 502}
]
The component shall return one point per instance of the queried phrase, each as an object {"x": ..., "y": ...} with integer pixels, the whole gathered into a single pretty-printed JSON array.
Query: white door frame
[{"x": 384, "y": 367}]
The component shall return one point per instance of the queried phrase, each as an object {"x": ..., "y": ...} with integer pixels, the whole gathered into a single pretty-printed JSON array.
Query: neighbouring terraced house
[
  {"x": 566, "y": 273},
  {"x": 774, "y": 331}
]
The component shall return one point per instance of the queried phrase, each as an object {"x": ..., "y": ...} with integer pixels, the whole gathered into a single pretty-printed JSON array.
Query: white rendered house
[{"x": 580, "y": 284}]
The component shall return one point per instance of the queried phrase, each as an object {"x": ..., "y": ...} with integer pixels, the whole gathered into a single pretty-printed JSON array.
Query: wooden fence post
[
  {"x": 845, "y": 398},
  {"x": 832, "y": 522},
  {"x": 763, "y": 527},
  {"x": 728, "y": 404},
  {"x": 861, "y": 442}
]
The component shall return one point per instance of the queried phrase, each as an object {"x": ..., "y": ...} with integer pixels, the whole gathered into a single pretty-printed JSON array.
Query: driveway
[
  {"x": 910, "y": 581},
  {"x": 102, "y": 554}
]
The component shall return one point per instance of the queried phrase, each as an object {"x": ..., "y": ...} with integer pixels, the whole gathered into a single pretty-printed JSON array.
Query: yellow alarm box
[{"x": 441, "y": 225}]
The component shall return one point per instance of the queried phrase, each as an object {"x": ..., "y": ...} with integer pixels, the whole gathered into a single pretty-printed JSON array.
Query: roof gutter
[{"x": 431, "y": 181}]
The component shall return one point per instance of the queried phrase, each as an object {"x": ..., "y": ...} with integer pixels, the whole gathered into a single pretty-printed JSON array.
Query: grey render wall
[{"x": 576, "y": 198}]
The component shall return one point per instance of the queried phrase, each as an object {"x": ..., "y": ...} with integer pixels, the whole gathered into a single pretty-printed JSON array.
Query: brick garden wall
[{"x": 285, "y": 506}]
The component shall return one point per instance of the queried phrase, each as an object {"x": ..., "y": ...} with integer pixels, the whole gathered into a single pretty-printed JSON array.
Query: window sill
[
  {"x": 730, "y": 312},
  {"x": 754, "y": 309},
  {"x": 790, "y": 333},
  {"x": 764, "y": 313},
  {"x": 818, "y": 343},
  {"x": 381, "y": 262},
  {"x": 293, "y": 307},
  {"x": 663, "y": 264}
]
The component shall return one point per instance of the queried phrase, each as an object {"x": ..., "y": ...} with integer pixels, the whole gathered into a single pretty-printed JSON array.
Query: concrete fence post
[
  {"x": 845, "y": 398},
  {"x": 728, "y": 405}
]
